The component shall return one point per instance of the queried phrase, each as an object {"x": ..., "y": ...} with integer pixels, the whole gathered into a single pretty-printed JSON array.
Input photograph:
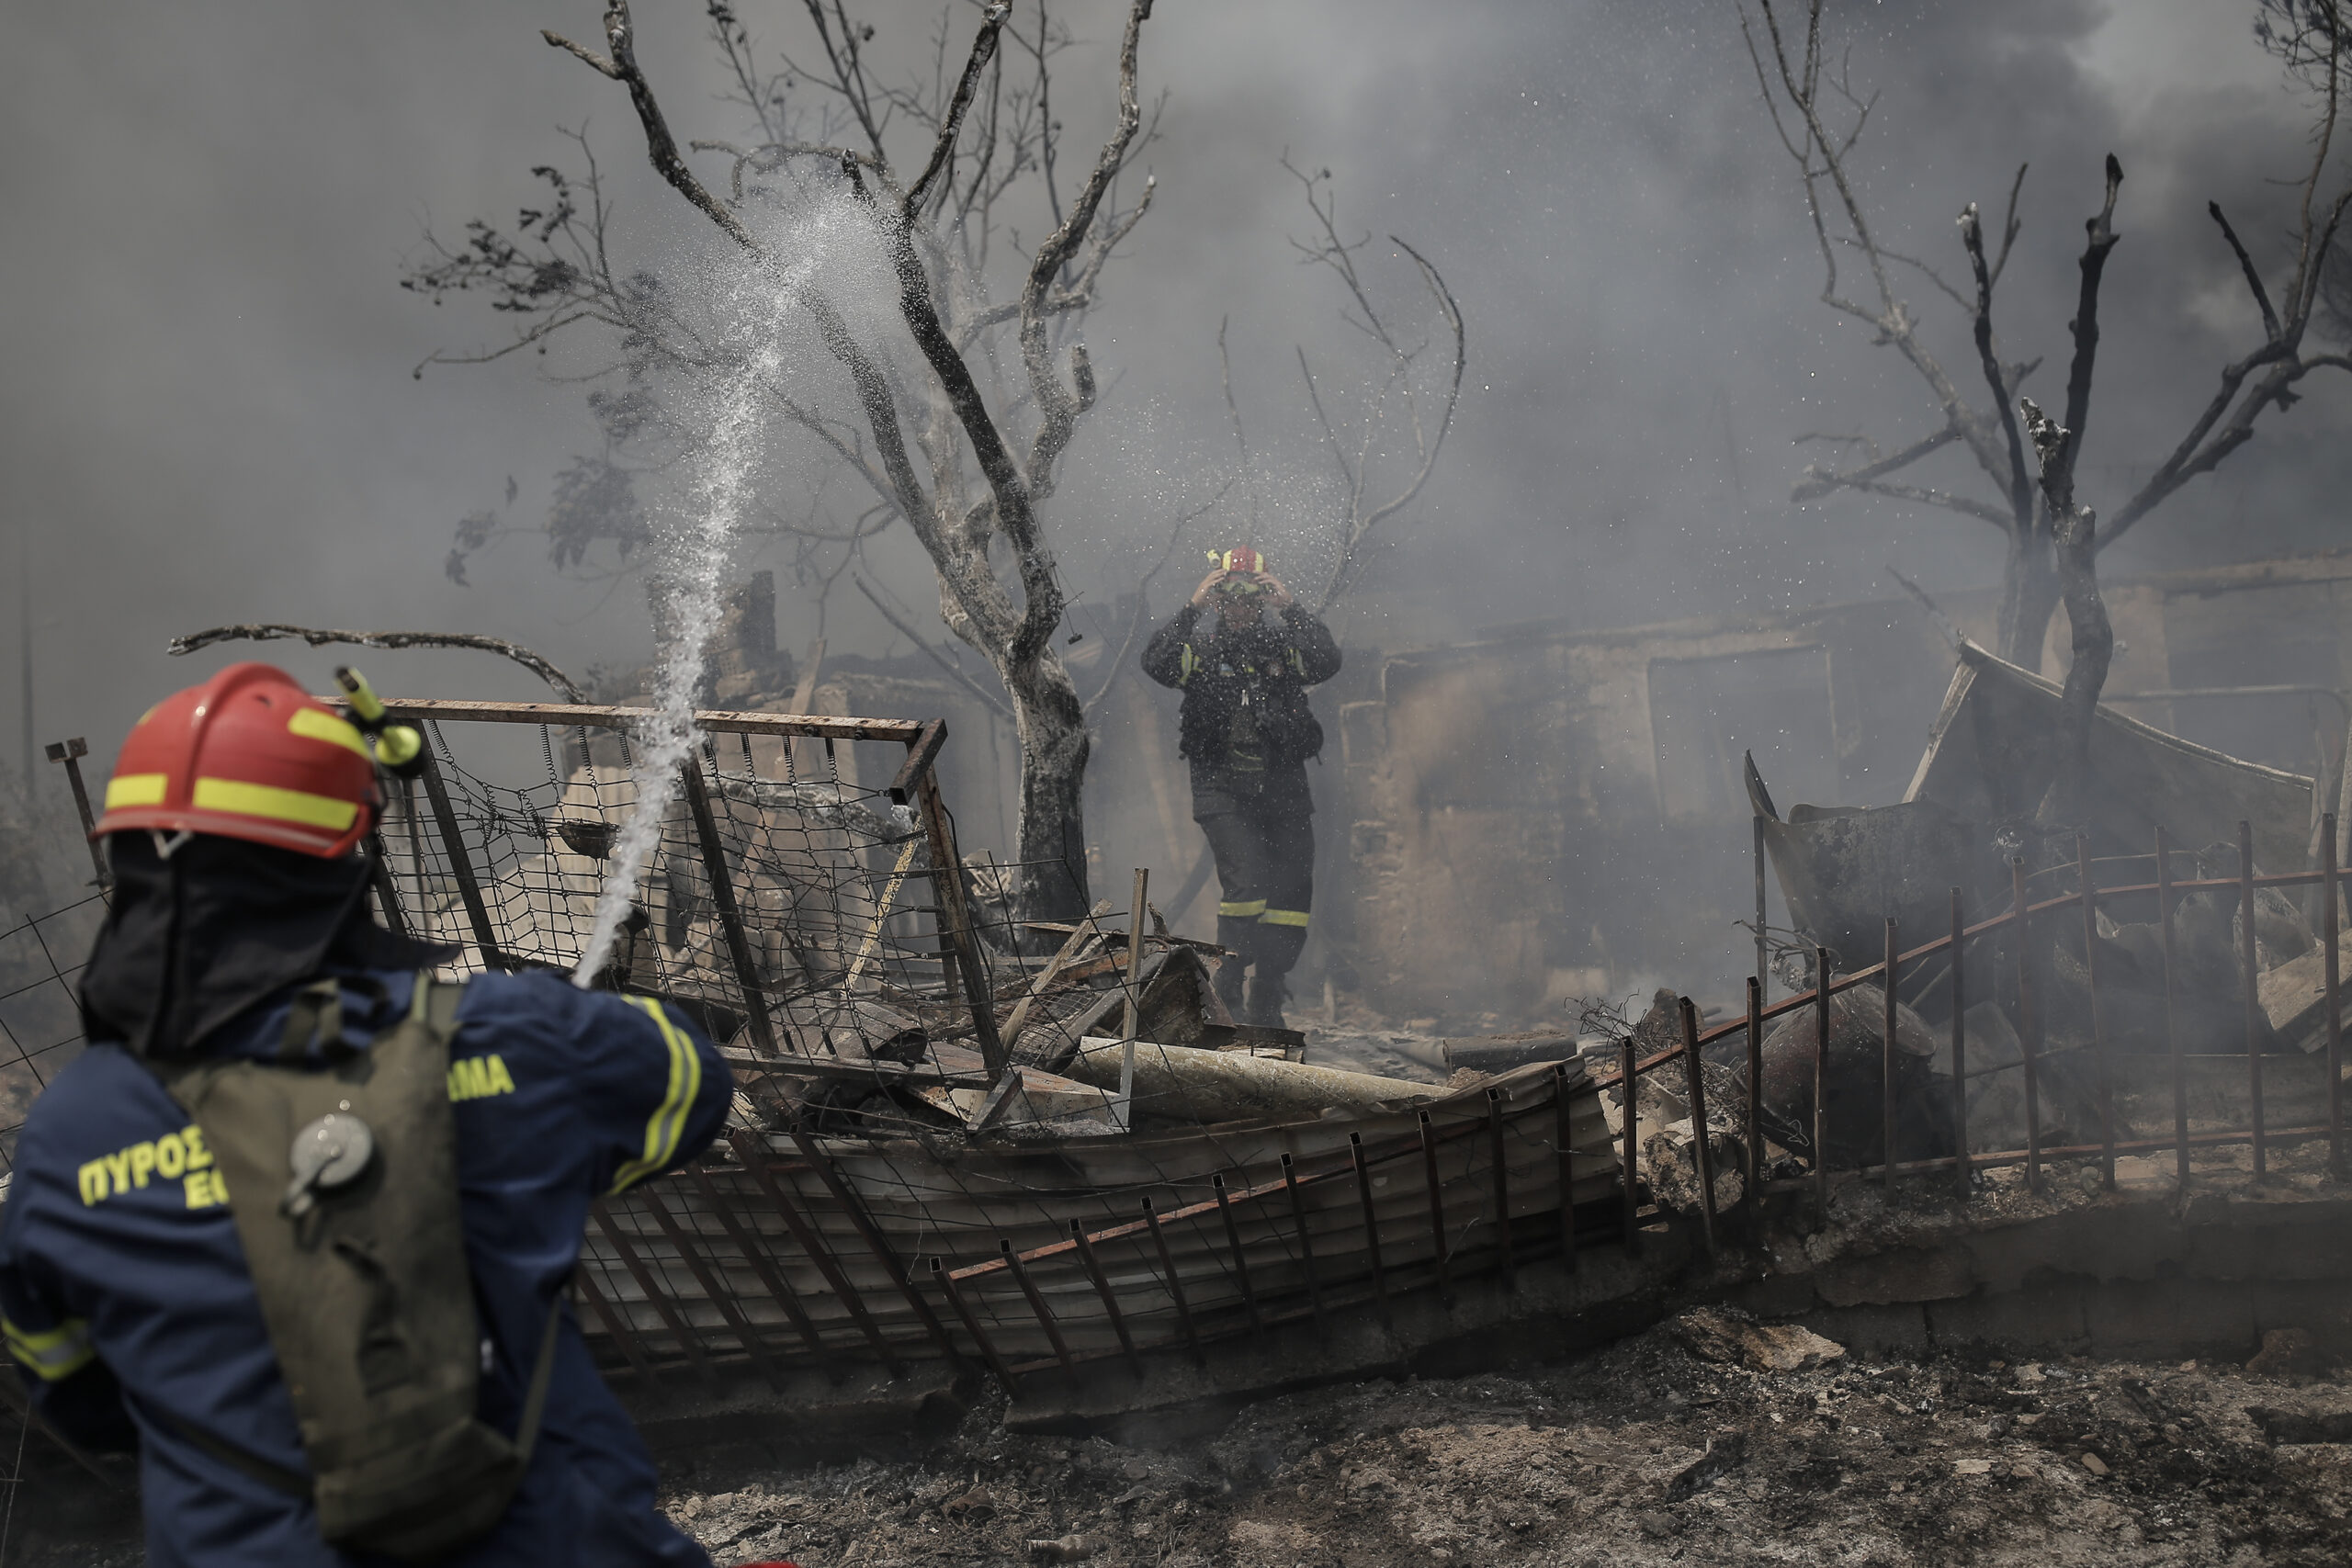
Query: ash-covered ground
[{"x": 1645, "y": 1453}]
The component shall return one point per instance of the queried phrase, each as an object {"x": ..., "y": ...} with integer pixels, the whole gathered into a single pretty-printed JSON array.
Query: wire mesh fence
[
  {"x": 927, "y": 1156},
  {"x": 40, "y": 1018}
]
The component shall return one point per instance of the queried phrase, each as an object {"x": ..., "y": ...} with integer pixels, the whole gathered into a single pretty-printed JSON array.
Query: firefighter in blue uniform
[
  {"x": 1246, "y": 732},
  {"x": 232, "y": 817}
]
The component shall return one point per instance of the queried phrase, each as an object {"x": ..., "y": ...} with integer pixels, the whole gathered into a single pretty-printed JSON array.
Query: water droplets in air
[{"x": 760, "y": 328}]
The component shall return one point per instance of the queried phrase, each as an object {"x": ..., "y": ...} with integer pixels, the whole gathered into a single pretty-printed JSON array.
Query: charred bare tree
[
  {"x": 1397, "y": 398},
  {"x": 1804, "y": 95},
  {"x": 2074, "y": 532},
  {"x": 983, "y": 136}
]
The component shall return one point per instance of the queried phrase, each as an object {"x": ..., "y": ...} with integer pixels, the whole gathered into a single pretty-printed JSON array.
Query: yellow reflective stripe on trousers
[
  {"x": 668, "y": 1123},
  {"x": 1283, "y": 918},
  {"x": 1243, "y": 911},
  {"x": 53, "y": 1353}
]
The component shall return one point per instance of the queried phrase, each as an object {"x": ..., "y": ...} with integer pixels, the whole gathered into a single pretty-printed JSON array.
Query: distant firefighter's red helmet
[{"x": 247, "y": 755}]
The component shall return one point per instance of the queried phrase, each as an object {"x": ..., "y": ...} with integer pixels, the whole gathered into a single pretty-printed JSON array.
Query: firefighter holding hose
[
  {"x": 1248, "y": 733},
  {"x": 300, "y": 1222}
]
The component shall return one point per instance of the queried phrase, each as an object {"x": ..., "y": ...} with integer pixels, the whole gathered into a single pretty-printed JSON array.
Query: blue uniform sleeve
[
  {"x": 655, "y": 1088},
  {"x": 71, "y": 1388}
]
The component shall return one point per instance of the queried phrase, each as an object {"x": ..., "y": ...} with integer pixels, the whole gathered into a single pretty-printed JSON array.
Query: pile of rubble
[{"x": 1706, "y": 1439}]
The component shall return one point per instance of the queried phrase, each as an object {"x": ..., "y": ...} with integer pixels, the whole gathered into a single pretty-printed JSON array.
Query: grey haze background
[{"x": 207, "y": 412}]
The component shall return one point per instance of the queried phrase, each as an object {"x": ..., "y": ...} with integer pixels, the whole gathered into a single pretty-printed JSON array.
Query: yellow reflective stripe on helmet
[
  {"x": 668, "y": 1123},
  {"x": 276, "y": 805},
  {"x": 53, "y": 1353},
  {"x": 1283, "y": 918},
  {"x": 135, "y": 789},
  {"x": 313, "y": 724},
  {"x": 1243, "y": 911}
]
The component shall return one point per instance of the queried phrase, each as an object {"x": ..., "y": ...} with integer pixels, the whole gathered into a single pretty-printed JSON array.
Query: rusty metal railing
[{"x": 2019, "y": 918}]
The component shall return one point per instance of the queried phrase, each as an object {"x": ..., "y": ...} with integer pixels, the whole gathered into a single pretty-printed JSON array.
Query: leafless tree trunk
[
  {"x": 937, "y": 263},
  {"x": 1802, "y": 94}
]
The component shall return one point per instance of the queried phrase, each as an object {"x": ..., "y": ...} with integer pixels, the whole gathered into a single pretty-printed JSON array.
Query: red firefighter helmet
[{"x": 248, "y": 755}]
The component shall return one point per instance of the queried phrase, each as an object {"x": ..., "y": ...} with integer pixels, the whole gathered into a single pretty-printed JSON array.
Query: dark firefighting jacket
[
  {"x": 1268, "y": 667},
  {"x": 129, "y": 1313}
]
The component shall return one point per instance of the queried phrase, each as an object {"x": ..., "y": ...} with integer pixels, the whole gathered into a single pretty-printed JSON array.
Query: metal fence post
[
  {"x": 1959, "y": 1049},
  {"x": 2098, "y": 1024},
  {"x": 2028, "y": 1023},
  {"x": 2254, "y": 1018},
  {"x": 722, "y": 899}
]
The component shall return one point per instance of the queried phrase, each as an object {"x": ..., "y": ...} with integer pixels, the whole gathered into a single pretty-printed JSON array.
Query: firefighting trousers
[{"x": 1264, "y": 848}]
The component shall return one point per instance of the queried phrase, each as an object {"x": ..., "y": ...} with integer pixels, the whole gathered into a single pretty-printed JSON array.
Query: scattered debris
[{"x": 1719, "y": 1334}]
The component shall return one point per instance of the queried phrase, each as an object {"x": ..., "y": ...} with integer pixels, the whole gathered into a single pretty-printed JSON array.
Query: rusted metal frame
[
  {"x": 71, "y": 753},
  {"x": 955, "y": 923},
  {"x": 1403, "y": 1148},
  {"x": 1562, "y": 1150},
  {"x": 380, "y": 878},
  {"x": 1703, "y": 1154},
  {"x": 1886, "y": 1066},
  {"x": 1805, "y": 999},
  {"x": 461, "y": 865},
  {"x": 1240, "y": 1262},
  {"x": 1437, "y": 1210},
  {"x": 1306, "y": 1237},
  {"x": 2330, "y": 936},
  {"x": 1959, "y": 1049},
  {"x": 1371, "y": 1220},
  {"x": 972, "y": 1325},
  {"x": 1036, "y": 1301},
  {"x": 1499, "y": 1156},
  {"x": 2028, "y": 1023},
  {"x": 922, "y": 752},
  {"x": 722, "y": 899},
  {"x": 855, "y": 1210},
  {"x": 2280, "y": 1136},
  {"x": 754, "y": 1160},
  {"x": 616, "y": 1324},
  {"x": 2173, "y": 1046},
  {"x": 1053, "y": 1249},
  {"x": 1102, "y": 1287},
  {"x": 1821, "y": 993},
  {"x": 1175, "y": 1283},
  {"x": 686, "y": 1337},
  {"x": 904, "y": 731},
  {"x": 778, "y": 1288},
  {"x": 2254, "y": 1018},
  {"x": 720, "y": 1297},
  {"x": 2083, "y": 876},
  {"x": 1629, "y": 1089}
]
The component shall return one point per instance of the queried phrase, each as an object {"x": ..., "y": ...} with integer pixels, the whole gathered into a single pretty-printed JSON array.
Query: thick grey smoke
[{"x": 209, "y": 415}]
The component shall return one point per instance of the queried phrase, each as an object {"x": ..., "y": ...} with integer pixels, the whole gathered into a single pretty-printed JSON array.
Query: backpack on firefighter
[{"x": 342, "y": 1177}]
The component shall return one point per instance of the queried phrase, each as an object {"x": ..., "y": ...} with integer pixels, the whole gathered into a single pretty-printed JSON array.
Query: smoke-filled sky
[{"x": 208, "y": 414}]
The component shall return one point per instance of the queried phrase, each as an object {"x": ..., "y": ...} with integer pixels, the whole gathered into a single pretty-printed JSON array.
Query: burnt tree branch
[{"x": 318, "y": 637}]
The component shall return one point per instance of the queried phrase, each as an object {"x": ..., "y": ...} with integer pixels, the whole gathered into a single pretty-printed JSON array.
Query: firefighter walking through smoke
[
  {"x": 298, "y": 1224},
  {"x": 1248, "y": 733}
]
